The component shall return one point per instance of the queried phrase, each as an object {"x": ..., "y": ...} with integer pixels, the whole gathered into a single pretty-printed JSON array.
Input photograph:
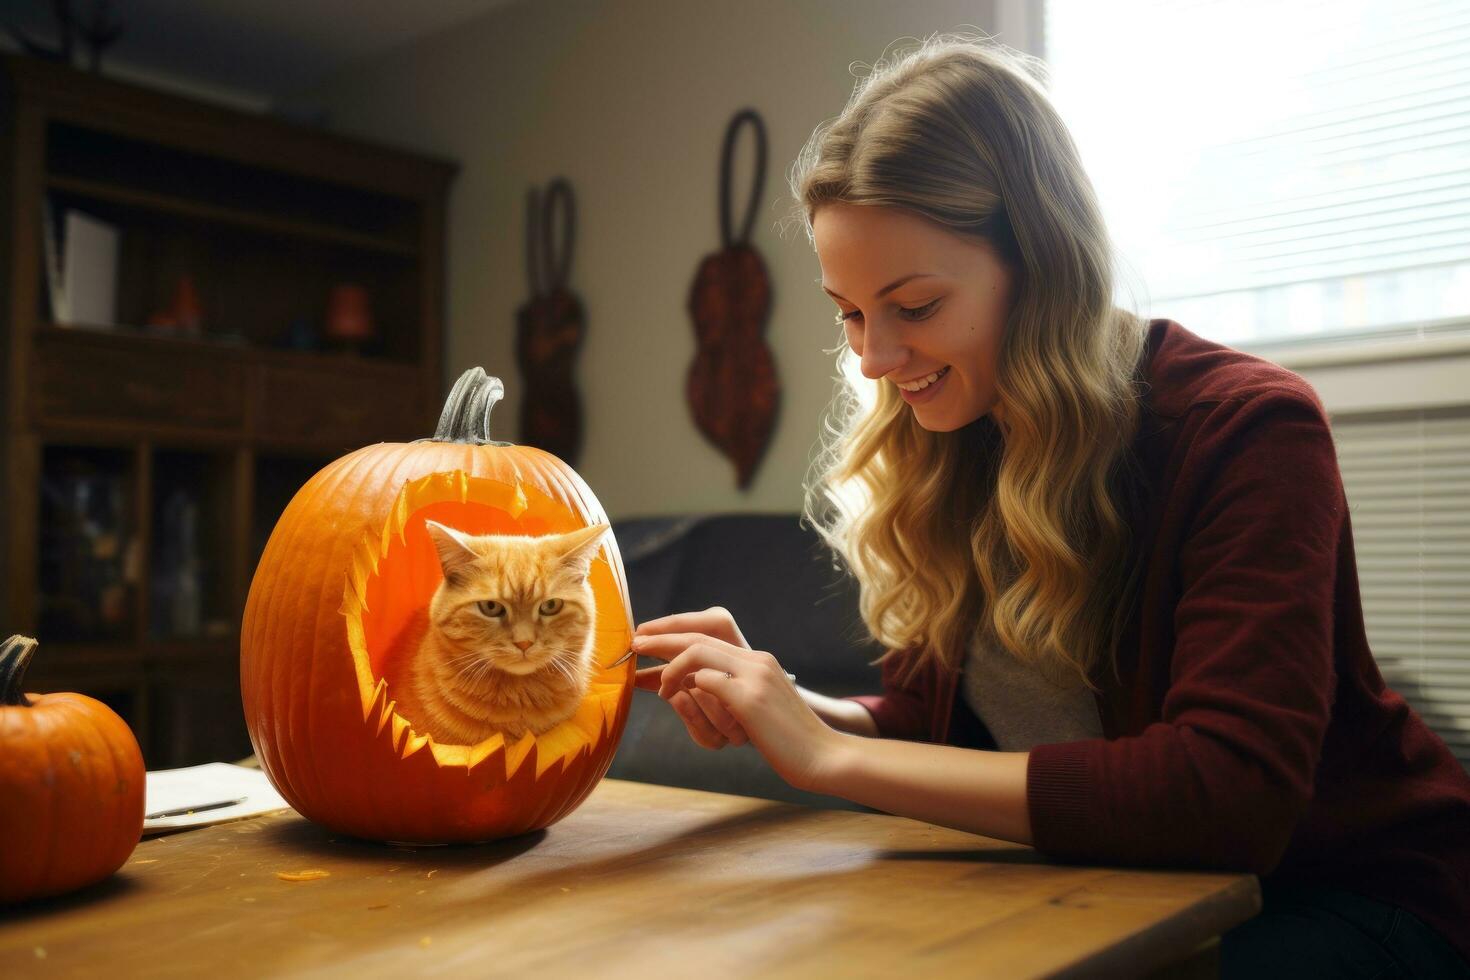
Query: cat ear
[
  {"x": 579, "y": 548},
  {"x": 455, "y": 555}
]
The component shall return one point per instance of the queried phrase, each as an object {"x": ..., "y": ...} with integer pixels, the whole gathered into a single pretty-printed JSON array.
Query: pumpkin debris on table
[{"x": 311, "y": 874}]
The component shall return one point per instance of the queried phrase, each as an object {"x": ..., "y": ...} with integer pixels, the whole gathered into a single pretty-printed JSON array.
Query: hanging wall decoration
[
  {"x": 732, "y": 388},
  {"x": 549, "y": 330}
]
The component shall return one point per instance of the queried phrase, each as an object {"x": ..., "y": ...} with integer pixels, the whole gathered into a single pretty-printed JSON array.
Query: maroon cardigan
[{"x": 1252, "y": 730}]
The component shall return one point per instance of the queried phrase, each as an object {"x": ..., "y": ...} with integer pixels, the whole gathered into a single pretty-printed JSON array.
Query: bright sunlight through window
[{"x": 1277, "y": 171}]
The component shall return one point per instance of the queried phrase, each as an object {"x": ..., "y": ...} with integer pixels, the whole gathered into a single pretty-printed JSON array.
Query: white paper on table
[{"x": 176, "y": 789}]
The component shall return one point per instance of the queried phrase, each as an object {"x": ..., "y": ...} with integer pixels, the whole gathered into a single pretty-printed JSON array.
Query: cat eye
[
  {"x": 551, "y": 607},
  {"x": 491, "y": 608}
]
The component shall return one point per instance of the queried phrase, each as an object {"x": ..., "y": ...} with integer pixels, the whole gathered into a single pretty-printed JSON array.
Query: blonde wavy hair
[{"x": 1017, "y": 528}]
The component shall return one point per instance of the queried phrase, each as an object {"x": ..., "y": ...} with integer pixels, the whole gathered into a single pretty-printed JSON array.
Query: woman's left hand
[{"x": 758, "y": 695}]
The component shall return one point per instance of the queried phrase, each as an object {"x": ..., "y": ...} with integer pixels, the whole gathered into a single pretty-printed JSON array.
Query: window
[
  {"x": 1276, "y": 172},
  {"x": 1407, "y": 476}
]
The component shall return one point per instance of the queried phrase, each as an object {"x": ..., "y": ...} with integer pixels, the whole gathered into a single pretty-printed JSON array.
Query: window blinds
[
  {"x": 1276, "y": 171},
  {"x": 1407, "y": 479}
]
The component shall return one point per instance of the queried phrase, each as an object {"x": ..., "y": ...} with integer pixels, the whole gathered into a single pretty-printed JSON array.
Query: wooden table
[{"x": 641, "y": 881}]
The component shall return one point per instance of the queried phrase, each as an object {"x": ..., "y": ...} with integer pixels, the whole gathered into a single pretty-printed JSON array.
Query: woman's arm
[
  {"x": 746, "y": 695},
  {"x": 966, "y": 789},
  {"x": 843, "y": 715},
  {"x": 1222, "y": 778}
]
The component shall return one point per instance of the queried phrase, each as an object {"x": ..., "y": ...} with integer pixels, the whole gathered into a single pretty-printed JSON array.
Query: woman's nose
[{"x": 881, "y": 354}]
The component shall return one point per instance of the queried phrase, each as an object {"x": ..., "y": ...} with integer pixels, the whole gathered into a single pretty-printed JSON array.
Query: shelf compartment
[
  {"x": 189, "y": 544},
  {"x": 228, "y": 263},
  {"x": 94, "y": 155},
  {"x": 89, "y": 559},
  {"x": 79, "y": 380},
  {"x": 253, "y": 221}
]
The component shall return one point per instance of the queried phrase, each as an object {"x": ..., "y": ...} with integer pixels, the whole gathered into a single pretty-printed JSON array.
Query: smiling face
[{"x": 944, "y": 317}]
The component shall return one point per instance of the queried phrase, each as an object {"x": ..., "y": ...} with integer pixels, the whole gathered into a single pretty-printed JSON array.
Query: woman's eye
[
  {"x": 551, "y": 607},
  {"x": 908, "y": 313},
  {"x": 918, "y": 312},
  {"x": 491, "y": 608}
]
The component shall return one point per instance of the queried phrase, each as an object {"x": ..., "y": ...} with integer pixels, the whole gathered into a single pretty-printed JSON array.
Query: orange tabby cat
[{"x": 505, "y": 645}]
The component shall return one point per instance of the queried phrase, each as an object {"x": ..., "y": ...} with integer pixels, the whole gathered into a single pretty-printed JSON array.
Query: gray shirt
[{"x": 1021, "y": 707}]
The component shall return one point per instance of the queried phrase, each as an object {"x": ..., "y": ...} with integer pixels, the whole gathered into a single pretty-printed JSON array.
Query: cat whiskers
[
  {"x": 466, "y": 673},
  {"x": 563, "y": 669},
  {"x": 463, "y": 658},
  {"x": 475, "y": 670}
]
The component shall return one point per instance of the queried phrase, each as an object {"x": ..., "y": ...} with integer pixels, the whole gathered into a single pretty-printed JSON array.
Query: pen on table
[{"x": 186, "y": 810}]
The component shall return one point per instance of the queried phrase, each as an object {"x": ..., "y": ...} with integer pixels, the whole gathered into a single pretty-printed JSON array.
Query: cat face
[{"x": 518, "y": 603}]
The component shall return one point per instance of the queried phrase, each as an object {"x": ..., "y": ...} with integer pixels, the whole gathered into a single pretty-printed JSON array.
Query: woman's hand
[
  {"x": 757, "y": 702},
  {"x": 709, "y": 724}
]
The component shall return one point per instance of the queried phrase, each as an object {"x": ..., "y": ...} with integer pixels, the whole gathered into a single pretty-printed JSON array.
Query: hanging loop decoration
[
  {"x": 550, "y": 326},
  {"x": 534, "y": 258},
  {"x": 558, "y": 261},
  {"x": 731, "y": 132},
  {"x": 731, "y": 387}
]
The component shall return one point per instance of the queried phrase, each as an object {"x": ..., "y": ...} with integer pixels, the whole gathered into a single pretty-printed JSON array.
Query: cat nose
[{"x": 523, "y": 644}]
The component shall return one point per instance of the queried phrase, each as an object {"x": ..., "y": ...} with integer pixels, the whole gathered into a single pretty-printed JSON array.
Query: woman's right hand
[{"x": 709, "y": 723}]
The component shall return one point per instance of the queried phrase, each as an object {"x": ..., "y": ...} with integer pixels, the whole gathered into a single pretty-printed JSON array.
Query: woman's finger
[
  {"x": 707, "y": 653},
  {"x": 715, "y": 621},
  {"x": 700, "y": 729},
  {"x": 649, "y": 678},
  {"x": 719, "y": 717},
  {"x": 694, "y": 715},
  {"x": 667, "y": 646}
]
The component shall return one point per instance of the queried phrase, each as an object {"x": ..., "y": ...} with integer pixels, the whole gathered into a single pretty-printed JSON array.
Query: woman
[{"x": 1111, "y": 561}]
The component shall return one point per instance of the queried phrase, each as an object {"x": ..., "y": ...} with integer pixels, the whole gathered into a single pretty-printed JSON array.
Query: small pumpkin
[
  {"x": 71, "y": 786},
  {"x": 347, "y": 565}
]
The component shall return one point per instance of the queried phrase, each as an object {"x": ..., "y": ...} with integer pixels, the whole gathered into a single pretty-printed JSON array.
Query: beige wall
[{"x": 629, "y": 99}]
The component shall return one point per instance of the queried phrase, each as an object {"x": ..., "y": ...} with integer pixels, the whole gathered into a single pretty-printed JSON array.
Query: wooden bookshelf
[
  {"x": 144, "y": 467},
  {"x": 281, "y": 227}
]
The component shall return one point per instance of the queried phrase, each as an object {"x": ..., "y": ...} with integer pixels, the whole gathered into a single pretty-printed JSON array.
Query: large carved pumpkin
[
  {"x": 71, "y": 786},
  {"x": 345, "y": 569}
]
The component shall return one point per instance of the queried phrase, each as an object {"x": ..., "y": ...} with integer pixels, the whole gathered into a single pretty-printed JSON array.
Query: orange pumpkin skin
[
  {"x": 319, "y": 619},
  {"x": 71, "y": 787}
]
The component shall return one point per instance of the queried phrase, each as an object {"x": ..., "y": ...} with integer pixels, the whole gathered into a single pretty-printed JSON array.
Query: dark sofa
[{"x": 777, "y": 577}]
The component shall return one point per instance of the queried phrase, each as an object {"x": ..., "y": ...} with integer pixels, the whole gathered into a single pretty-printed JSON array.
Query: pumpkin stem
[
  {"x": 466, "y": 415},
  {"x": 15, "y": 657}
]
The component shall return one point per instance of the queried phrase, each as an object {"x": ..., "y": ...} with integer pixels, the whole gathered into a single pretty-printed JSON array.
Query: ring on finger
[{"x": 789, "y": 676}]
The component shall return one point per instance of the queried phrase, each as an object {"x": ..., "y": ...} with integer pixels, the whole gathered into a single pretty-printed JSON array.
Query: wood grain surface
[{"x": 640, "y": 881}]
